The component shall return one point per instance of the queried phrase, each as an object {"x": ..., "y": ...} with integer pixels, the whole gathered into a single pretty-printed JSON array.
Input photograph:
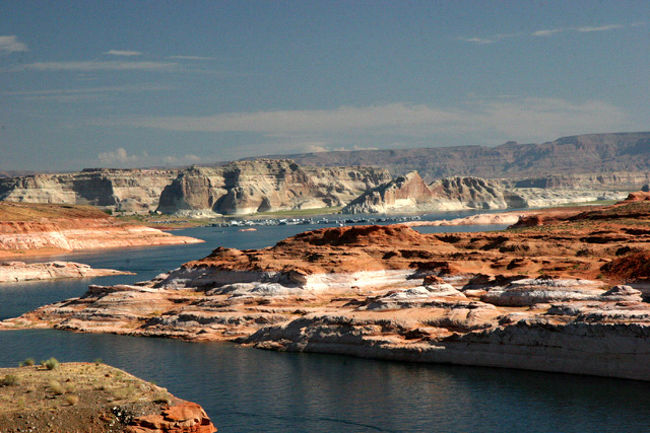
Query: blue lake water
[{"x": 248, "y": 390}]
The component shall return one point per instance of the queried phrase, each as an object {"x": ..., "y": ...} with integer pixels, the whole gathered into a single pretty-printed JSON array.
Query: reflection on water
[{"x": 247, "y": 390}]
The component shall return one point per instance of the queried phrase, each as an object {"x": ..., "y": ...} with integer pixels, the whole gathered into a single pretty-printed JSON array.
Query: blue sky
[{"x": 131, "y": 84}]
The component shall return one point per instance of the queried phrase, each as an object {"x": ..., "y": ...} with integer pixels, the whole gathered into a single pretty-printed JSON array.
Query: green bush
[
  {"x": 98, "y": 361},
  {"x": 50, "y": 364},
  {"x": 9, "y": 380},
  {"x": 28, "y": 362}
]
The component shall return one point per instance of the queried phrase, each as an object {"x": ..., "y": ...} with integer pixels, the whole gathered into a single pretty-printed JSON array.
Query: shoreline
[{"x": 547, "y": 294}]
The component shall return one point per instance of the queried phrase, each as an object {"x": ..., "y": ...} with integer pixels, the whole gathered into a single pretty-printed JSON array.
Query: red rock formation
[{"x": 184, "y": 417}]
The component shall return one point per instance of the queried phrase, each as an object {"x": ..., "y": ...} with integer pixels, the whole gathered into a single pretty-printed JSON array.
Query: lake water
[{"x": 248, "y": 390}]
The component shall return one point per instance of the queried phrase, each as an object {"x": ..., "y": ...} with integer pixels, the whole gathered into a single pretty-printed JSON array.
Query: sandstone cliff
[
  {"x": 410, "y": 193},
  {"x": 128, "y": 190},
  {"x": 247, "y": 187},
  {"x": 548, "y": 294},
  {"x": 83, "y": 397},
  {"x": 242, "y": 187}
]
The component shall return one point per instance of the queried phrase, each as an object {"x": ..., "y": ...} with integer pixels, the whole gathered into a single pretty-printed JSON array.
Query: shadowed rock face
[
  {"x": 247, "y": 187},
  {"x": 545, "y": 296},
  {"x": 411, "y": 194}
]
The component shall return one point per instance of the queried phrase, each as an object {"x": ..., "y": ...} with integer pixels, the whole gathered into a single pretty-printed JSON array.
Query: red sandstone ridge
[
  {"x": 574, "y": 242},
  {"x": 39, "y": 229},
  {"x": 638, "y": 196}
]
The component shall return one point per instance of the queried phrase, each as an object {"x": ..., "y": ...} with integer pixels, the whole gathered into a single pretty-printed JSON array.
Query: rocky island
[
  {"x": 562, "y": 290},
  {"x": 15, "y": 271},
  {"x": 91, "y": 397}
]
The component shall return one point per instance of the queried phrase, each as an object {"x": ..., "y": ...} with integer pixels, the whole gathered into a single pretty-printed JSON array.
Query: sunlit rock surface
[{"x": 561, "y": 290}]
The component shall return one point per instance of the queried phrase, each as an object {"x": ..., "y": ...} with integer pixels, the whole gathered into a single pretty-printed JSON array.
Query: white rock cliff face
[
  {"x": 238, "y": 188},
  {"x": 248, "y": 187},
  {"x": 136, "y": 190},
  {"x": 411, "y": 194}
]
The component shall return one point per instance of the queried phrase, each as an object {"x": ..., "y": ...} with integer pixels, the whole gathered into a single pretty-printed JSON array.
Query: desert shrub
[
  {"x": 56, "y": 387},
  {"x": 123, "y": 392},
  {"x": 162, "y": 397},
  {"x": 9, "y": 380},
  {"x": 28, "y": 362},
  {"x": 50, "y": 364},
  {"x": 72, "y": 399},
  {"x": 98, "y": 361},
  {"x": 69, "y": 387}
]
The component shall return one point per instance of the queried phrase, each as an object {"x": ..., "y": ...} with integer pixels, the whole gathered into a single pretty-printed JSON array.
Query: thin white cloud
[
  {"x": 125, "y": 53},
  {"x": 520, "y": 118},
  {"x": 480, "y": 41},
  {"x": 190, "y": 58},
  {"x": 87, "y": 90},
  {"x": 298, "y": 121},
  {"x": 588, "y": 29},
  {"x": 549, "y": 32},
  {"x": 93, "y": 65},
  {"x": 121, "y": 158},
  {"x": 546, "y": 32},
  {"x": 11, "y": 44},
  {"x": 490, "y": 40}
]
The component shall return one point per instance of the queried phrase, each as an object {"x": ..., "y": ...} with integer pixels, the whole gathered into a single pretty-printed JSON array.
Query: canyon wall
[{"x": 242, "y": 187}]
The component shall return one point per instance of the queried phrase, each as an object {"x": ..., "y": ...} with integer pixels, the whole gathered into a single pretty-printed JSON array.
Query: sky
[{"x": 169, "y": 83}]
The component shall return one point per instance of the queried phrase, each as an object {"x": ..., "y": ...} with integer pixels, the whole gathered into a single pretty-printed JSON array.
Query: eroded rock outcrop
[
  {"x": 247, "y": 187},
  {"x": 410, "y": 193},
  {"x": 538, "y": 296}
]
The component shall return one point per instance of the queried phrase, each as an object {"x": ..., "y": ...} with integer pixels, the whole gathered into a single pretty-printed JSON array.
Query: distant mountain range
[{"x": 590, "y": 153}]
